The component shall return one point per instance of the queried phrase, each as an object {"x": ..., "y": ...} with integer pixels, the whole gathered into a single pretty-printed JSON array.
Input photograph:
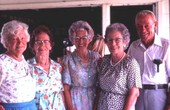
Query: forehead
[
  {"x": 42, "y": 36},
  {"x": 81, "y": 32},
  {"x": 144, "y": 19},
  {"x": 20, "y": 33},
  {"x": 114, "y": 34}
]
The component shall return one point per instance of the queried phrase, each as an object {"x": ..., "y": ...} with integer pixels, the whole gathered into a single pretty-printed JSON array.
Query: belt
[{"x": 158, "y": 86}]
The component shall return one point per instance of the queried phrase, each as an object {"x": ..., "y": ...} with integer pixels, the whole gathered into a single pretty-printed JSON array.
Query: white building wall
[{"x": 163, "y": 19}]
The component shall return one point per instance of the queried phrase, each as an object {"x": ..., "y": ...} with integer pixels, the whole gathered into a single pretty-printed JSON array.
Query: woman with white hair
[
  {"x": 79, "y": 69},
  {"x": 17, "y": 88}
]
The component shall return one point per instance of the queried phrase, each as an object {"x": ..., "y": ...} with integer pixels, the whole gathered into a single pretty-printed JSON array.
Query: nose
[
  {"x": 143, "y": 28},
  {"x": 113, "y": 42},
  {"x": 41, "y": 43},
  {"x": 19, "y": 41}
]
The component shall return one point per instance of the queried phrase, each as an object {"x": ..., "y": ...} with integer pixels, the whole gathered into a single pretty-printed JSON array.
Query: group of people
[{"x": 86, "y": 79}]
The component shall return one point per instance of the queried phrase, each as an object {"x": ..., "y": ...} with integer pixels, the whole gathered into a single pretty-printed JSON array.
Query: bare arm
[
  {"x": 96, "y": 99},
  {"x": 1, "y": 107},
  {"x": 69, "y": 104},
  {"x": 131, "y": 99},
  {"x": 62, "y": 94}
]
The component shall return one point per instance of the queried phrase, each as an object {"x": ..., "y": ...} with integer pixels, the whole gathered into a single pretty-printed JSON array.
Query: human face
[
  {"x": 81, "y": 40},
  {"x": 146, "y": 26},
  {"x": 115, "y": 43},
  {"x": 17, "y": 44},
  {"x": 42, "y": 45}
]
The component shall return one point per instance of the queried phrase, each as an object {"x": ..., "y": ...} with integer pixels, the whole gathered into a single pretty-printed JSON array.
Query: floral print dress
[
  {"x": 48, "y": 86},
  {"x": 81, "y": 78},
  {"x": 16, "y": 83}
]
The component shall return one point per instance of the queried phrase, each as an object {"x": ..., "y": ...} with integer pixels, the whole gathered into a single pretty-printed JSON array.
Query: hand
[
  {"x": 1, "y": 107},
  {"x": 167, "y": 107}
]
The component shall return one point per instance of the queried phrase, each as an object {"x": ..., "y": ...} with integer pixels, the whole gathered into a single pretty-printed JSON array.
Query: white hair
[{"x": 9, "y": 30}]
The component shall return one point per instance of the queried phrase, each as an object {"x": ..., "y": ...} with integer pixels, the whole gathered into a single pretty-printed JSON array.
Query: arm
[
  {"x": 1, "y": 107},
  {"x": 96, "y": 99},
  {"x": 131, "y": 99},
  {"x": 69, "y": 104},
  {"x": 167, "y": 107},
  {"x": 63, "y": 98},
  {"x": 167, "y": 66}
]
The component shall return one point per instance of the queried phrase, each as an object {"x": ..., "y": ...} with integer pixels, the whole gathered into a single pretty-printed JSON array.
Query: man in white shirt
[{"x": 153, "y": 56}]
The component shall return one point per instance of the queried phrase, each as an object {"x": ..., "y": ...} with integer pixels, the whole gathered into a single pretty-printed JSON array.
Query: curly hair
[
  {"x": 78, "y": 25},
  {"x": 38, "y": 30},
  {"x": 9, "y": 30},
  {"x": 120, "y": 28}
]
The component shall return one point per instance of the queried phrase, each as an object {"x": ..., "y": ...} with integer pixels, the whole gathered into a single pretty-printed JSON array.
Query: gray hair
[
  {"x": 145, "y": 13},
  {"x": 120, "y": 28},
  {"x": 9, "y": 30},
  {"x": 78, "y": 25}
]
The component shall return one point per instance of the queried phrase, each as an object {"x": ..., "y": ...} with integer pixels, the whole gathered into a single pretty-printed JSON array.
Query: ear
[{"x": 156, "y": 25}]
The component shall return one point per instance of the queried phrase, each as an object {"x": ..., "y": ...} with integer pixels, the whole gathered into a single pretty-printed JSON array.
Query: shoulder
[
  {"x": 53, "y": 62},
  {"x": 165, "y": 41},
  {"x": 94, "y": 55},
  {"x": 106, "y": 59},
  {"x": 67, "y": 57},
  {"x": 5, "y": 59},
  {"x": 130, "y": 60},
  {"x": 2, "y": 57},
  {"x": 135, "y": 43}
]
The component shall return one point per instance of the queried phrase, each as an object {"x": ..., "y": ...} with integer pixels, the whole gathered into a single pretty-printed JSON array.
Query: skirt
[{"x": 20, "y": 106}]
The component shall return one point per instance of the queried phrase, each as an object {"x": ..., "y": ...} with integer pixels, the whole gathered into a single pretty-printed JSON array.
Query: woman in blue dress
[{"x": 79, "y": 69}]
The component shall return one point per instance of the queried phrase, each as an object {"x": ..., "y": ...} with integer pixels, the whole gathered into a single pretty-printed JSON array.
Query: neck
[
  {"x": 116, "y": 58},
  {"x": 83, "y": 55},
  {"x": 17, "y": 57},
  {"x": 42, "y": 60},
  {"x": 148, "y": 42}
]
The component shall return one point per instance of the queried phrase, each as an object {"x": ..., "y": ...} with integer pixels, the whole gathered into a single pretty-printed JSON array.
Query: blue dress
[{"x": 81, "y": 78}]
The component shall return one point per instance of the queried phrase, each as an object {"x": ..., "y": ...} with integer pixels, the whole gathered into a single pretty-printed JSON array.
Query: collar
[
  {"x": 34, "y": 62},
  {"x": 157, "y": 41}
]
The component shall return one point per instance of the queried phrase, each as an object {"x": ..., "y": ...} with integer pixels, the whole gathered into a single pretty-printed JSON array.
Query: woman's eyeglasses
[
  {"x": 117, "y": 40},
  {"x": 80, "y": 38},
  {"x": 39, "y": 42}
]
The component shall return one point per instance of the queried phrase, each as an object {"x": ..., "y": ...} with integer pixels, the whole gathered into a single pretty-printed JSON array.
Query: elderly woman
[
  {"x": 79, "y": 72},
  {"x": 47, "y": 72},
  {"x": 17, "y": 88},
  {"x": 119, "y": 74}
]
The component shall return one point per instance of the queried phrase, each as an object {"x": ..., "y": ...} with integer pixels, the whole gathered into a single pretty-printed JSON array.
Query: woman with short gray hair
[
  {"x": 76, "y": 26},
  {"x": 119, "y": 74},
  {"x": 17, "y": 87},
  {"x": 79, "y": 69}
]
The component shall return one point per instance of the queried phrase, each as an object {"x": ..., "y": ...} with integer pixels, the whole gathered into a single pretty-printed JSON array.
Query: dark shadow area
[{"x": 59, "y": 21}]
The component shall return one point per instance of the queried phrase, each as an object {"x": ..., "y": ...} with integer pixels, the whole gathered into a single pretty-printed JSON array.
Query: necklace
[{"x": 111, "y": 63}]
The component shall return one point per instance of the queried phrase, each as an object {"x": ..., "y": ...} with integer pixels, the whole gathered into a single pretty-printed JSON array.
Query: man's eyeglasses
[
  {"x": 117, "y": 40},
  {"x": 39, "y": 42},
  {"x": 80, "y": 38}
]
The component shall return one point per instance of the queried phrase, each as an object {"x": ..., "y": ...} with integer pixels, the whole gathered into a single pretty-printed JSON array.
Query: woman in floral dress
[
  {"x": 79, "y": 69},
  {"x": 47, "y": 72},
  {"x": 17, "y": 87}
]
